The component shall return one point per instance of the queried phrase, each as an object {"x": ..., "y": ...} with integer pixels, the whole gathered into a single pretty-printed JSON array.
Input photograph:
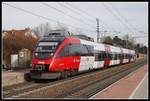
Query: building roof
[
  {"x": 25, "y": 31},
  {"x": 13, "y": 31}
]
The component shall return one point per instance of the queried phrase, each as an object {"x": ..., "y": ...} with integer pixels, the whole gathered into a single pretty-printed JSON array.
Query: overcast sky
[{"x": 115, "y": 17}]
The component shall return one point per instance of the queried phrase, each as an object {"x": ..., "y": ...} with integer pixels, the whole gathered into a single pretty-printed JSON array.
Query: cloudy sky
[{"x": 115, "y": 18}]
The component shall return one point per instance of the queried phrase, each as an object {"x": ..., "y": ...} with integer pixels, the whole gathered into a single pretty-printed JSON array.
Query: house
[
  {"x": 13, "y": 40},
  {"x": 25, "y": 31}
]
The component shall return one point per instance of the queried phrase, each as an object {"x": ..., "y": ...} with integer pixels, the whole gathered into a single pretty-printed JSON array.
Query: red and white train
[{"x": 60, "y": 57}]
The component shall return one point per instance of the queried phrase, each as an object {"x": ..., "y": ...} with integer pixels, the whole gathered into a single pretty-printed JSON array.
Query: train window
[
  {"x": 126, "y": 56},
  {"x": 96, "y": 56},
  {"x": 118, "y": 56},
  {"x": 90, "y": 50},
  {"x": 64, "y": 52},
  {"x": 110, "y": 56},
  {"x": 115, "y": 56},
  {"x": 106, "y": 55},
  {"x": 83, "y": 50},
  {"x": 74, "y": 50},
  {"x": 99, "y": 55}
]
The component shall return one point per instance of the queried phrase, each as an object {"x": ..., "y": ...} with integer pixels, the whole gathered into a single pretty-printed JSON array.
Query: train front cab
[{"x": 59, "y": 65}]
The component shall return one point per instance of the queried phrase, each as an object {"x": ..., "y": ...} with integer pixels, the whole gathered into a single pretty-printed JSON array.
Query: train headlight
[
  {"x": 36, "y": 54},
  {"x": 51, "y": 54}
]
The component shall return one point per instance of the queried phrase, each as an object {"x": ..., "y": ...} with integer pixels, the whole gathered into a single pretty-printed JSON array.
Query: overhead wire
[
  {"x": 46, "y": 18},
  {"x": 90, "y": 16},
  {"x": 118, "y": 19},
  {"x": 79, "y": 20},
  {"x": 77, "y": 9},
  {"x": 125, "y": 20}
]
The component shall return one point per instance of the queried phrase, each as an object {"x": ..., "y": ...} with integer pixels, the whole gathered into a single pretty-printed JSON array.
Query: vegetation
[
  {"x": 126, "y": 42},
  {"x": 13, "y": 42}
]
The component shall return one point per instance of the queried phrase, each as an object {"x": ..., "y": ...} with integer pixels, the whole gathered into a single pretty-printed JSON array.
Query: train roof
[
  {"x": 58, "y": 32},
  {"x": 81, "y": 36}
]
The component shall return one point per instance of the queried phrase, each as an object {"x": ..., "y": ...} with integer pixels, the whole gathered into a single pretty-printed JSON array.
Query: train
[{"x": 59, "y": 55}]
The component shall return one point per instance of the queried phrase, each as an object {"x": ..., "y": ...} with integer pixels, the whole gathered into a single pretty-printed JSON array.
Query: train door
[
  {"x": 106, "y": 56},
  {"x": 106, "y": 59}
]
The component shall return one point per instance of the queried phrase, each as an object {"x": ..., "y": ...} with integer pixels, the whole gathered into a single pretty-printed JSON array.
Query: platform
[
  {"x": 133, "y": 86},
  {"x": 13, "y": 77}
]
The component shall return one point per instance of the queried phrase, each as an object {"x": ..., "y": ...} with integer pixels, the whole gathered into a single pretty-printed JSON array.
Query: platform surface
[
  {"x": 141, "y": 90},
  {"x": 13, "y": 77},
  {"x": 132, "y": 86}
]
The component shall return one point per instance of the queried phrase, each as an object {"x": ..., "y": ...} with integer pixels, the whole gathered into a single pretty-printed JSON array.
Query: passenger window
[
  {"x": 96, "y": 57},
  {"x": 84, "y": 51},
  {"x": 110, "y": 56},
  {"x": 106, "y": 55},
  {"x": 90, "y": 50},
  {"x": 99, "y": 55},
  {"x": 74, "y": 50}
]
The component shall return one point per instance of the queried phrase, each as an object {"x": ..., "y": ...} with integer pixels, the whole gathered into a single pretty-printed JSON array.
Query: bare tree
[
  {"x": 42, "y": 29},
  {"x": 129, "y": 41}
]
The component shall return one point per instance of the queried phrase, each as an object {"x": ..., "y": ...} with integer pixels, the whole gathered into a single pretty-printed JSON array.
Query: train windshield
[{"x": 45, "y": 49}]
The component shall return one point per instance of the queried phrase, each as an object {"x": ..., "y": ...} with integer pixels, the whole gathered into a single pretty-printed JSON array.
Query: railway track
[
  {"x": 69, "y": 88},
  {"x": 93, "y": 87}
]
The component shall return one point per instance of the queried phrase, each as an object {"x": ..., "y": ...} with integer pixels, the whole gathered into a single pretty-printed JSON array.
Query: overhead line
[
  {"x": 68, "y": 8},
  {"x": 79, "y": 11},
  {"x": 77, "y": 8},
  {"x": 21, "y": 9},
  {"x": 65, "y": 14},
  {"x": 118, "y": 19},
  {"x": 89, "y": 15},
  {"x": 115, "y": 9}
]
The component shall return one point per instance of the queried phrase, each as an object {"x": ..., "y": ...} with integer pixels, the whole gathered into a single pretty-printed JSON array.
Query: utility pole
[{"x": 97, "y": 20}]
